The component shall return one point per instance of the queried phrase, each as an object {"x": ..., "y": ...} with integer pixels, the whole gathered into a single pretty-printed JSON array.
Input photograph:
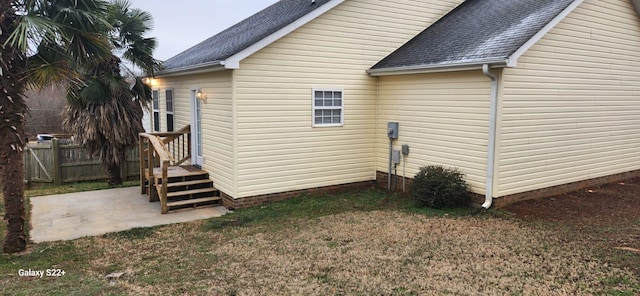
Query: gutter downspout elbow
[{"x": 493, "y": 114}]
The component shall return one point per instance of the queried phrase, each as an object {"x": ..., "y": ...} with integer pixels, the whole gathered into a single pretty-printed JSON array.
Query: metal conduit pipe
[
  {"x": 493, "y": 114},
  {"x": 390, "y": 162}
]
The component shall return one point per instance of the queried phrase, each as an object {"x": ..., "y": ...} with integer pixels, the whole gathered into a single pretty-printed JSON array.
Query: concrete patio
[{"x": 75, "y": 215}]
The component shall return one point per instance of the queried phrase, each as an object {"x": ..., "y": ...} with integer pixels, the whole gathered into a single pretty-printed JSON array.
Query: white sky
[{"x": 180, "y": 24}]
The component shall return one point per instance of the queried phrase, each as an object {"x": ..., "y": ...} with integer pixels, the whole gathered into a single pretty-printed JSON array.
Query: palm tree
[
  {"x": 12, "y": 120},
  {"x": 38, "y": 44},
  {"x": 63, "y": 42},
  {"x": 104, "y": 112}
]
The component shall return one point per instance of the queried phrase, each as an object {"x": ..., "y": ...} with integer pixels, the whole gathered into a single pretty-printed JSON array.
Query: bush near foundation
[{"x": 440, "y": 187}]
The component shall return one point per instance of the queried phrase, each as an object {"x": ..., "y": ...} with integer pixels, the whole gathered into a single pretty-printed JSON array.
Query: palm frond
[
  {"x": 89, "y": 47},
  {"x": 129, "y": 26},
  {"x": 31, "y": 29},
  {"x": 85, "y": 15},
  {"x": 140, "y": 53},
  {"x": 142, "y": 92},
  {"x": 106, "y": 128},
  {"x": 51, "y": 65}
]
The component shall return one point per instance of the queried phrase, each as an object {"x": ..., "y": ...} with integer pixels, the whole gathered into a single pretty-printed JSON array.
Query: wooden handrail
[
  {"x": 161, "y": 150},
  {"x": 180, "y": 132},
  {"x": 164, "y": 159}
]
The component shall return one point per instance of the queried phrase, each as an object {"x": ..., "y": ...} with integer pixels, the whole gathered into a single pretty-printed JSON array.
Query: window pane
[
  {"x": 328, "y": 103},
  {"x": 169, "y": 94},
  {"x": 337, "y": 95},
  {"x": 319, "y": 103},
  {"x": 337, "y": 103},
  {"x": 326, "y": 120},
  {"x": 318, "y": 95},
  {"x": 336, "y": 120},
  {"x": 156, "y": 101},
  {"x": 169, "y": 122},
  {"x": 156, "y": 121},
  {"x": 328, "y": 95}
]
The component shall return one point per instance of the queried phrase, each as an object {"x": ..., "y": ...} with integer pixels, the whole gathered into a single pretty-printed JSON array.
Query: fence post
[
  {"x": 27, "y": 161},
  {"x": 57, "y": 176},
  {"x": 123, "y": 167},
  {"x": 143, "y": 178}
]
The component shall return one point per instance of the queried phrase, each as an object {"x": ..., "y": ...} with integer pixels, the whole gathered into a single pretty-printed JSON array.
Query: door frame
[{"x": 197, "y": 153}]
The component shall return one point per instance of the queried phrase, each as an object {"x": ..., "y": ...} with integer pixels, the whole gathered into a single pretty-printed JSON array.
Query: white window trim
[{"x": 314, "y": 108}]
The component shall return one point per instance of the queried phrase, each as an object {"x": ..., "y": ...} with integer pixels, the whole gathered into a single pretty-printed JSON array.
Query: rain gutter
[{"x": 438, "y": 68}]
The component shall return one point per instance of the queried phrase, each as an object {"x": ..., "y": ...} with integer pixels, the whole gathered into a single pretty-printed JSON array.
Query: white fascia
[
  {"x": 512, "y": 61},
  {"x": 233, "y": 62},
  {"x": 189, "y": 70}
]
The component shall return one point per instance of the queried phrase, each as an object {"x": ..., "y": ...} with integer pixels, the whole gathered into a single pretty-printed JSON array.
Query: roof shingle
[
  {"x": 243, "y": 34},
  {"x": 476, "y": 31}
]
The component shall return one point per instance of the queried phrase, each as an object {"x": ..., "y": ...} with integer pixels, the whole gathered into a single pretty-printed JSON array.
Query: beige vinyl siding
[
  {"x": 278, "y": 149},
  {"x": 572, "y": 106},
  {"x": 217, "y": 120},
  {"x": 443, "y": 117}
]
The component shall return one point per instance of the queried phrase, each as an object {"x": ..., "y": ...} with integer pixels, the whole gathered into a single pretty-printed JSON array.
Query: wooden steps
[
  {"x": 187, "y": 187},
  {"x": 191, "y": 193},
  {"x": 195, "y": 201},
  {"x": 188, "y": 183}
]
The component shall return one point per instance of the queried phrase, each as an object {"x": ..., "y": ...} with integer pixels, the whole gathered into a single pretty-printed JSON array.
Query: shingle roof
[
  {"x": 244, "y": 34},
  {"x": 476, "y": 31}
]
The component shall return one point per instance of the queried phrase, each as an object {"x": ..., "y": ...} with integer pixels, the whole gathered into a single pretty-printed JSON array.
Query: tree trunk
[
  {"x": 13, "y": 112},
  {"x": 13, "y": 192},
  {"x": 114, "y": 174}
]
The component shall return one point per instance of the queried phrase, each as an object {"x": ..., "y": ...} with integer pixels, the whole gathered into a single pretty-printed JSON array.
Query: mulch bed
[{"x": 606, "y": 218}]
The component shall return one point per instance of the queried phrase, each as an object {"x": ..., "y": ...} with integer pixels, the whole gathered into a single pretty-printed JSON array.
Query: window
[
  {"x": 169, "y": 98},
  {"x": 156, "y": 111},
  {"x": 328, "y": 108}
]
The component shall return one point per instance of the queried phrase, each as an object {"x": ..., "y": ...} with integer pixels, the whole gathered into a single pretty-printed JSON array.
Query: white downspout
[{"x": 493, "y": 114}]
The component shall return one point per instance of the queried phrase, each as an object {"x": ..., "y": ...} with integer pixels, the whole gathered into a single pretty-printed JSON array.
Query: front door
[{"x": 196, "y": 130}]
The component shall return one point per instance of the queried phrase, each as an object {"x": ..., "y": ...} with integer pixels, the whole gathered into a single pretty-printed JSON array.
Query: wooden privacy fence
[{"x": 56, "y": 163}]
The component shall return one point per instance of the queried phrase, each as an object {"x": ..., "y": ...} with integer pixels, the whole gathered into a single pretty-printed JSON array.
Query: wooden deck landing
[{"x": 179, "y": 171}]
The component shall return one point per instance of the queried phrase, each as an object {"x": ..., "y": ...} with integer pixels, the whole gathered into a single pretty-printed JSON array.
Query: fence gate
[
  {"x": 58, "y": 164},
  {"x": 39, "y": 163}
]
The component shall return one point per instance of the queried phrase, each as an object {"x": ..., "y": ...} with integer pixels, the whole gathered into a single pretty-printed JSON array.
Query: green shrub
[{"x": 440, "y": 187}]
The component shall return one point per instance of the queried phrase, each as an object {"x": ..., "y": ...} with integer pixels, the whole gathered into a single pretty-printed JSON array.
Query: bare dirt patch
[{"x": 605, "y": 219}]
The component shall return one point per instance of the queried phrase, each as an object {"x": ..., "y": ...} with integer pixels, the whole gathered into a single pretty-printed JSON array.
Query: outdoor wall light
[
  {"x": 200, "y": 95},
  {"x": 149, "y": 81}
]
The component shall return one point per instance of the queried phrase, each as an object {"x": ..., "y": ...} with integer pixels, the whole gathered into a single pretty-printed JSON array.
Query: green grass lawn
[
  {"x": 360, "y": 243},
  {"x": 77, "y": 187}
]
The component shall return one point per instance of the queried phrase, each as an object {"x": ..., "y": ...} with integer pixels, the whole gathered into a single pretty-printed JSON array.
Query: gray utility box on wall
[
  {"x": 395, "y": 157},
  {"x": 392, "y": 130}
]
